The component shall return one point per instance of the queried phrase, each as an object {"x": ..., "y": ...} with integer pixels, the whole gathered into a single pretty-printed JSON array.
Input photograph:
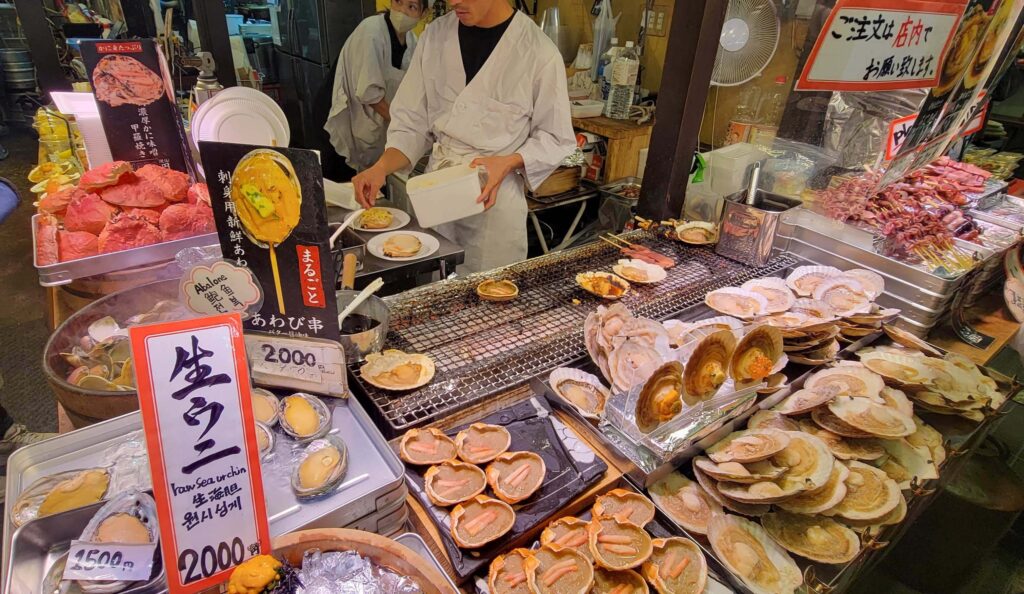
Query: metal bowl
[{"x": 360, "y": 344}]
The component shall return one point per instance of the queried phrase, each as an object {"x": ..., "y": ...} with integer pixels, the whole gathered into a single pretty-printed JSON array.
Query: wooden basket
[{"x": 560, "y": 182}]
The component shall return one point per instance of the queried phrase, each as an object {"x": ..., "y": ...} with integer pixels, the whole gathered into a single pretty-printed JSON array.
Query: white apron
[{"x": 357, "y": 132}]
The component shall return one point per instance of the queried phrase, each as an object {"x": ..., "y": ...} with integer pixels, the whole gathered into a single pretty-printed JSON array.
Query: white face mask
[{"x": 402, "y": 22}]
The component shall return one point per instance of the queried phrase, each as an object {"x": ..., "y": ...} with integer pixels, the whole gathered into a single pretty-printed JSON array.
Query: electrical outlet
[{"x": 657, "y": 21}]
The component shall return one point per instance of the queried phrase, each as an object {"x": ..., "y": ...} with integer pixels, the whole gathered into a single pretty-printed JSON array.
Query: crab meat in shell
[
  {"x": 676, "y": 566},
  {"x": 479, "y": 521},
  {"x": 558, "y": 572},
  {"x": 507, "y": 573},
  {"x": 568, "y": 532},
  {"x": 625, "y": 506},
  {"x": 515, "y": 476},
  {"x": 616, "y": 544},
  {"x": 452, "y": 482},
  {"x": 480, "y": 442},
  {"x": 426, "y": 446},
  {"x": 626, "y": 581}
]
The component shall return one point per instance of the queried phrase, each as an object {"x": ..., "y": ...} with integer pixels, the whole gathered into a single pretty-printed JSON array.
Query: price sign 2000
[
  {"x": 211, "y": 560},
  {"x": 288, "y": 356}
]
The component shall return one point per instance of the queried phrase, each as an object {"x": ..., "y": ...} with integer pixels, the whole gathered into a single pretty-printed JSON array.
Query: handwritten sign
[
  {"x": 220, "y": 288},
  {"x": 93, "y": 562},
  {"x": 879, "y": 45},
  {"x": 193, "y": 385},
  {"x": 898, "y": 130},
  {"x": 301, "y": 364}
]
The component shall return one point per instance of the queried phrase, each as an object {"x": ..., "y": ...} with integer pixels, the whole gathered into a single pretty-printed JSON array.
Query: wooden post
[
  {"x": 692, "y": 45},
  {"x": 213, "y": 37},
  {"x": 49, "y": 74}
]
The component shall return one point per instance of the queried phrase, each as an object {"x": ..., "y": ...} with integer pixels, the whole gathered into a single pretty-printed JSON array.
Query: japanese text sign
[
  {"x": 196, "y": 408},
  {"x": 136, "y": 103},
  {"x": 879, "y": 45},
  {"x": 271, "y": 217}
]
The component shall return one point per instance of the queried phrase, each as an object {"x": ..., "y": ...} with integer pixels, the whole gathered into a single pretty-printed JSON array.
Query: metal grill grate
[{"x": 483, "y": 348}]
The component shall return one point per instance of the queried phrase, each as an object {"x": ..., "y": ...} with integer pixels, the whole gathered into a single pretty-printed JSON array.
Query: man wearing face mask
[
  {"x": 370, "y": 67},
  {"x": 488, "y": 88}
]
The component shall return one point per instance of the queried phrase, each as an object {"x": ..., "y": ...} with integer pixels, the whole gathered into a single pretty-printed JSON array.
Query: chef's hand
[
  {"x": 497, "y": 169},
  {"x": 367, "y": 184}
]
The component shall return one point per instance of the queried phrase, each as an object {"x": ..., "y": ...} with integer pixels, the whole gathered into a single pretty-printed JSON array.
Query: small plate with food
[
  {"x": 403, "y": 246},
  {"x": 381, "y": 218}
]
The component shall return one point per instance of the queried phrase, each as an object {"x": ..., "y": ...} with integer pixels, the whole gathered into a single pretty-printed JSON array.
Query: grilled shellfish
[
  {"x": 736, "y": 302},
  {"x": 480, "y": 521},
  {"x": 813, "y": 537},
  {"x": 676, "y": 566},
  {"x": 638, "y": 271},
  {"x": 397, "y": 371},
  {"x": 685, "y": 501},
  {"x": 580, "y": 389},
  {"x": 707, "y": 368},
  {"x": 697, "y": 233},
  {"x": 661, "y": 397},
  {"x": 497, "y": 290},
  {"x": 625, "y": 506},
  {"x": 756, "y": 355},
  {"x": 452, "y": 482},
  {"x": 426, "y": 446},
  {"x": 480, "y": 443},
  {"x": 603, "y": 284},
  {"x": 558, "y": 572},
  {"x": 746, "y": 550},
  {"x": 618, "y": 545},
  {"x": 515, "y": 476}
]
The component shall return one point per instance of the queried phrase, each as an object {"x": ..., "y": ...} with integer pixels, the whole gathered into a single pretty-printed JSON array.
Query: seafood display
[
  {"x": 322, "y": 468},
  {"x": 497, "y": 291},
  {"x": 607, "y": 553},
  {"x": 114, "y": 208},
  {"x": 603, "y": 284},
  {"x": 426, "y": 446},
  {"x": 397, "y": 371},
  {"x": 480, "y": 521},
  {"x": 692, "y": 232}
]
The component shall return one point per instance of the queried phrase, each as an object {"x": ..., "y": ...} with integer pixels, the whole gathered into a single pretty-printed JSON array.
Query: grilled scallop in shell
[
  {"x": 708, "y": 367},
  {"x": 661, "y": 398}
]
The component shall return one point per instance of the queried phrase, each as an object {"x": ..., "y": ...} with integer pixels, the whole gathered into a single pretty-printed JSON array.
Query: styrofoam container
[
  {"x": 586, "y": 108},
  {"x": 445, "y": 195}
]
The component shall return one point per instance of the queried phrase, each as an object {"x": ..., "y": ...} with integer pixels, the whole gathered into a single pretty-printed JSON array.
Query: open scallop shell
[
  {"x": 805, "y": 400},
  {"x": 507, "y": 573},
  {"x": 746, "y": 550},
  {"x": 297, "y": 418},
  {"x": 616, "y": 544},
  {"x": 426, "y": 446},
  {"x": 397, "y": 371},
  {"x": 661, "y": 397},
  {"x": 848, "y": 380},
  {"x": 808, "y": 460},
  {"x": 710, "y": 487},
  {"x": 266, "y": 407},
  {"x": 638, "y": 271},
  {"x": 265, "y": 439},
  {"x": 805, "y": 279},
  {"x": 608, "y": 582},
  {"x": 917, "y": 464},
  {"x": 323, "y": 466},
  {"x": 895, "y": 516},
  {"x": 826, "y": 419},
  {"x": 749, "y": 445},
  {"x": 547, "y": 572},
  {"x": 870, "y": 494},
  {"x": 774, "y": 290},
  {"x": 816, "y": 310},
  {"x": 61, "y": 492},
  {"x": 734, "y": 472},
  {"x": 497, "y": 290},
  {"x": 479, "y": 521},
  {"x": 770, "y": 419},
  {"x": 899, "y": 369},
  {"x": 813, "y": 537},
  {"x": 756, "y": 355},
  {"x": 707, "y": 368},
  {"x": 787, "y": 320},
  {"x": 480, "y": 443},
  {"x": 762, "y": 492},
  {"x": 603, "y": 284},
  {"x": 844, "y": 448},
  {"x": 877, "y": 419},
  {"x": 774, "y": 383},
  {"x": 685, "y": 501},
  {"x": 508, "y": 479},
  {"x": 697, "y": 233},
  {"x": 625, "y": 506},
  {"x": 844, "y": 294},
  {"x": 676, "y": 566},
  {"x": 872, "y": 282},
  {"x": 580, "y": 389},
  {"x": 633, "y": 361},
  {"x": 567, "y": 533},
  {"x": 897, "y": 400},
  {"x": 139, "y": 509},
  {"x": 927, "y": 437},
  {"x": 739, "y": 303},
  {"x": 823, "y": 498},
  {"x": 452, "y": 482}
]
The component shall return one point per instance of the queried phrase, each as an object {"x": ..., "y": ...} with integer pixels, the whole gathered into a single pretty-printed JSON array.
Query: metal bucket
[
  {"x": 19, "y": 72},
  {"x": 360, "y": 344},
  {"x": 748, "y": 232}
]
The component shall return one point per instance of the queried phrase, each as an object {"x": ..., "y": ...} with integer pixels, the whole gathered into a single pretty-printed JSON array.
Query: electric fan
[{"x": 749, "y": 38}]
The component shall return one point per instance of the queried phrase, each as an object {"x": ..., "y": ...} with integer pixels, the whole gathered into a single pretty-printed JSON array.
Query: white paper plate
[
  {"x": 239, "y": 92},
  {"x": 400, "y": 219},
  {"x": 242, "y": 121},
  {"x": 430, "y": 244}
]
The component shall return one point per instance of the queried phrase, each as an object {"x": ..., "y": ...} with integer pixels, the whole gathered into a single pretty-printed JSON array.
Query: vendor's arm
[
  {"x": 367, "y": 183},
  {"x": 383, "y": 109},
  {"x": 552, "y": 137},
  {"x": 497, "y": 169}
]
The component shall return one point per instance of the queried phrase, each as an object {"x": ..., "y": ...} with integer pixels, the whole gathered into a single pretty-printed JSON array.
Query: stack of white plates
[{"x": 241, "y": 115}]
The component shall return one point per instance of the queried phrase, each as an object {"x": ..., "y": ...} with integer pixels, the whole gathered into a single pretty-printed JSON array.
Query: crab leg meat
[
  {"x": 670, "y": 559},
  {"x": 678, "y": 568},
  {"x": 572, "y": 539},
  {"x": 424, "y": 448},
  {"x": 476, "y": 524},
  {"x": 557, "y": 570},
  {"x": 613, "y": 539},
  {"x": 517, "y": 477},
  {"x": 450, "y": 483},
  {"x": 514, "y": 579},
  {"x": 619, "y": 549},
  {"x": 480, "y": 449}
]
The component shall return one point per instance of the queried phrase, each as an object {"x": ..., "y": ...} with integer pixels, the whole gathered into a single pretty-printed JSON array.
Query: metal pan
[{"x": 416, "y": 543}]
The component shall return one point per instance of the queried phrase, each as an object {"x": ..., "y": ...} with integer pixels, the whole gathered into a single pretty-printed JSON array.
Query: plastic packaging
[
  {"x": 745, "y": 116},
  {"x": 446, "y": 195},
  {"x": 604, "y": 31},
  {"x": 625, "y": 69}
]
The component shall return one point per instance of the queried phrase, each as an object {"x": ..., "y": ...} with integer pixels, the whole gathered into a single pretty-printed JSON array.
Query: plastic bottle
[
  {"x": 745, "y": 116},
  {"x": 625, "y": 69},
  {"x": 603, "y": 64},
  {"x": 769, "y": 114}
]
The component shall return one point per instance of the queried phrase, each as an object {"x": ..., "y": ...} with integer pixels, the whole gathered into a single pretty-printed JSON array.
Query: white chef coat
[
  {"x": 364, "y": 77},
  {"x": 517, "y": 103}
]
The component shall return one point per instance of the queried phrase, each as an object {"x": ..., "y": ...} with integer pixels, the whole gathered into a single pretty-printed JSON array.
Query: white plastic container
[
  {"x": 445, "y": 195},
  {"x": 727, "y": 167},
  {"x": 586, "y": 108}
]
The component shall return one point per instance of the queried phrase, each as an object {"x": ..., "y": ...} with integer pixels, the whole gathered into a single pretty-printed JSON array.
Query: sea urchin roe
[{"x": 255, "y": 576}]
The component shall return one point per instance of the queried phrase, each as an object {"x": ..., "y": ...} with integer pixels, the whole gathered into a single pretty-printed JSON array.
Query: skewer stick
[{"x": 277, "y": 279}]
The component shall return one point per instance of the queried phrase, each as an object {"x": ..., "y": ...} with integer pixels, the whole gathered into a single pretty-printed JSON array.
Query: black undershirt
[
  {"x": 477, "y": 43},
  {"x": 397, "y": 49}
]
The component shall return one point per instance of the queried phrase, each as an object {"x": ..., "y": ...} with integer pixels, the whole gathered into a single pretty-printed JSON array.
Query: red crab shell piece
[
  {"x": 173, "y": 184},
  {"x": 126, "y": 232},
  {"x": 199, "y": 193},
  {"x": 88, "y": 212},
  {"x": 133, "y": 191},
  {"x": 77, "y": 244},
  {"x": 46, "y": 240},
  {"x": 186, "y": 220},
  {"x": 150, "y": 214},
  {"x": 57, "y": 202},
  {"x": 107, "y": 174}
]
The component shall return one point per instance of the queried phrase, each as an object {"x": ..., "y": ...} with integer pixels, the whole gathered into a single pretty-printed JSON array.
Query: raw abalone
[
  {"x": 617, "y": 544},
  {"x": 397, "y": 371},
  {"x": 507, "y": 573},
  {"x": 638, "y": 271},
  {"x": 603, "y": 284},
  {"x": 746, "y": 550},
  {"x": 707, "y": 368},
  {"x": 870, "y": 494},
  {"x": 515, "y": 476},
  {"x": 625, "y": 506},
  {"x": 749, "y": 445},
  {"x": 580, "y": 389},
  {"x": 756, "y": 355},
  {"x": 60, "y": 492},
  {"x": 774, "y": 290},
  {"x": 265, "y": 439},
  {"x": 452, "y": 482},
  {"x": 480, "y": 443},
  {"x": 816, "y": 538},
  {"x": 305, "y": 417},
  {"x": 558, "y": 572},
  {"x": 480, "y": 520},
  {"x": 266, "y": 407},
  {"x": 128, "y": 518},
  {"x": 676, "y": 566},
  {"x": 739, "y": 303},
  {"x": 661, "y": 397},
  {"x": 568, "y": 532},
  {"x": 323, "y": 466},
  {"x": 685, "y": 501},
  {"x": 426, "y": 446}
]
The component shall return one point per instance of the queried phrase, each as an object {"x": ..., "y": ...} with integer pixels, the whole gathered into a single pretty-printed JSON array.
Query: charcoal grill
[{"x": 482, "y": 348}]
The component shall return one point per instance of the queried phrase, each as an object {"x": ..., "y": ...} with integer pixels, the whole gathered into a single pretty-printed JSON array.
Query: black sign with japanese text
[
  {"x": 136, "y": 103},
  {"x": 272, "y": 218}
]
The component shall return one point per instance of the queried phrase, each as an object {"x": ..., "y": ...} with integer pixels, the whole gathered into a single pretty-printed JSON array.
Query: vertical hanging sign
[{"x": 193, "y": 386}]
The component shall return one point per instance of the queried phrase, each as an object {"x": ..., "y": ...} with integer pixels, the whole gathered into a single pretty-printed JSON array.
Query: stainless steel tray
[
  {"x": 416, "y": 543},
  {"x": 615, "y": 188},
  {"x": 62, "y": 273},
  {"x": 40, "y": 544},
  {"x": 985, "y": 198}
]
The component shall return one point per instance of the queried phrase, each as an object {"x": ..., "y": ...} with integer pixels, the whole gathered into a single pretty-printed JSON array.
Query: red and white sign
[
  {"x": 881, "y": 45},
  {"x": 193, "y": 385},
  {"x": 898, "y": 130}
]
